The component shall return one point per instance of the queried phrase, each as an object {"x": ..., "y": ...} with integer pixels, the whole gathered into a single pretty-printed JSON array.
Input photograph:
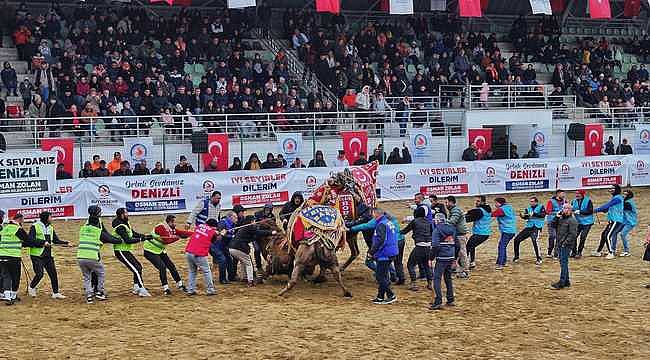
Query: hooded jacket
[
  {"x": 290, "y": 206},
  {"x": 444, "y": 242},
  {"x": 421, "y": 228}
]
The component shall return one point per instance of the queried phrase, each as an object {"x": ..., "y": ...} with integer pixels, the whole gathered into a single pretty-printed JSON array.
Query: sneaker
[
  {"x": 190, "y": 293},
  {"x": 143, "y": 293},
  {"x": 451, "y": 303},
  {"x": 250, "y": 284},
  {"x": 31, "y": 291},
  {"x": 435, "y": 307},
  {"x": 182, "y": 288},
  {"x": 400, "y": 282},
  {"x": 463, "y": 275},
  {"x": 101, "y": 296},
  {"x": 499, "y": 267},
  {"x": 515, "y": 260},
  {"x": 472, "y": 265},
  {"x": 413, "y": 286},
  {"x": 136, "y": 289},
  {"x": 538, "y": 262},
  {"x": 58, "y": 296},
  {"x": 567, "y": 284},
  {"x": 624, "y": 254},
  {"x": 610, "y": 256},
  {"x": 167, "y": 292},
  {"x": 211, "y": 293},
  {"x": 647, "y": 286},
  {"x": 378, "y": 301},
  {"x": 549, "y": 256},
  {"x": 596, "y": 254},
  {"x": 10, "y": 302},
  {"x": 557, "y": 286},
  {"x": 578, "y": 256},
  {"x": 89, "y": 299},
  {"x": 391, "y": 299}
]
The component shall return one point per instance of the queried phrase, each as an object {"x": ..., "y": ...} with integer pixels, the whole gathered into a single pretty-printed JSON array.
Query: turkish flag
[
  {"x": 330, "y": 6},
  {"x": 217, "y": 149},
  {"x": 65, "y": 149},
  {"x": 173, "y": 2},
  {"x": 632, "y": 8},
  {"x": 599, "y": 9},
  {"x": 384, "y": 5},
  {"x": 482, "y": 139},
  {"x": 354, "y": 142},
  {"x": 485, "y": 4},
  {"x": 558, "y": 6},
  {"x": 593, "y": 139},
  {"x": 469, "y": 8}
]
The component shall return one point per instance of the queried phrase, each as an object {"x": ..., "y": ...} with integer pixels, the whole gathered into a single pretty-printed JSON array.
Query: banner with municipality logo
[
  {"x": 397, "y": 182},
  {"x": 289, "y": 145},
  {"x": 421, "y": 142},
  {"x": 541, "y": 137},
  {"x": 642, "y": 139},
  {"x": 579, "y": 173},
  {"x": 65, "y": 201},
  {"x": 24, "y": 173},
  {"x": 138, "y": 150},
  {"x": 522, "y": 175}
]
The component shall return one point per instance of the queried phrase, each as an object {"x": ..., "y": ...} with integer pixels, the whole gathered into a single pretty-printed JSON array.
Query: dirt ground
[{"x": 499, "y": 315}]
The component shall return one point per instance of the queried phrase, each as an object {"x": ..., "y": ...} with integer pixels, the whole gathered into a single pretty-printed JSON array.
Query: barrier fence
[{"x": 178, "y": 193}]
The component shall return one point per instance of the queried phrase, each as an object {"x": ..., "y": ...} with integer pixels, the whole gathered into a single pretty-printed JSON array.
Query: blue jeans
[
  {"x": 502, "y": 256},
  {"x": 221, "y": 257},
  {"x": 624, "y": 238},
  {"x": 442, "y": 269},
  {"x": 383, "y": 281},
  {"x": 200, "y": 263},
  {"x": 563, "y": 252}
]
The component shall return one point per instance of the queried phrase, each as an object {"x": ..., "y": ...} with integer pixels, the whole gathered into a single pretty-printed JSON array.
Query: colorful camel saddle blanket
[{"x": 324, "y": 218}]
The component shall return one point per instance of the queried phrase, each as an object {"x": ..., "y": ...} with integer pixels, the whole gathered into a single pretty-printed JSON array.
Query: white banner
[
  {"x": 541, "y": 7},
  {"x": 438, "y": 5},
  {"x": 639, "y": 169},
  {"x": 592, "y": 172},
  {"x": 421, "y": 144},
  {"x": 27, "y": 173},
  {"x": 401, "y": 7},
  {"x": 289, "y": 145},
  {"x": 507, "y": 176},
  {"x": 137, "y": 150},
  {"x": 642, "y": 139},
  {"x": 238, "y": 4},
  {"x": 398, "y": 182},
  {"x": 65, "y": 201},
  {"x": 542, "y": 137}
]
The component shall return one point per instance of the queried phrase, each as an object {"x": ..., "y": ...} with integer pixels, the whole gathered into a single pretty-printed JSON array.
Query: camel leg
[
  {"x": 339, "y": 280},
  {"x": 354, "y": 251},
  {"x": 295, "y": 274}
]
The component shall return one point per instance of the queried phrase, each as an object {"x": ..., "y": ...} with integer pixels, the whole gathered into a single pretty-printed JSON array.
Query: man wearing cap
[
  {"x": 615, "y": 216},
  {"x": 340, "y": 160},
  {"x": 183, "y": 166},
  {"x": 583, "y": 209},
  {"x": 204, "y": 210}
]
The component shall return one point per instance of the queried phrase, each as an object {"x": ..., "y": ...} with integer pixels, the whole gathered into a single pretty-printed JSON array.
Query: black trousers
[
  {"x": 419, "y": 256},
  {"x": 583, "y": 232},
  {"x": 529, "y": 232},
  {"x": 47, "y": 263},
  {"x": 131, "y": 263},
  {"x": 10, "y": 272},
  {"x": 162, "y": 262},
  {"x": 608, "y": 235},
  {"x": 398, "y": 262},
  {"x": 473, "y": 242}
]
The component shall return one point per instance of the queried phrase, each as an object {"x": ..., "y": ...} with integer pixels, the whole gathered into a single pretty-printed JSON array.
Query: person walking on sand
[
  {"x": 421, "y": 228},
  {"x": 443, "y": 249},
  {"x": 567, "y": 234},
  {"x": 646, "y": 254},
  {"x": 12, "y": 239},
  {"x": 384, "y": 248},
  {"x": 196, "y": 254},
  {"x": 457, "y": 219}
]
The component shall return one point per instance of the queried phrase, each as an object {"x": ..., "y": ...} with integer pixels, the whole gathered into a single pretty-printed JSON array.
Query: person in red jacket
[
  {"x": 155, "y": 251},
  {"x": 196, "y": 253}
]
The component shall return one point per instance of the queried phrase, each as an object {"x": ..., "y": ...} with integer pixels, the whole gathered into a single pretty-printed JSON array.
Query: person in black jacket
[
  {"x": 289, "y": 207},
  {"x": 240, "y": 245},
  {"x": 318, "y": 160},
  {"x": 122, "y": 229},
  {"x": 41, "y": 257},
  {"x": 482, "y": 218},
  {"x": 436, "y": 207},
  {"x": 534, "y": 216},
  {"x": 422, "y": 229}
]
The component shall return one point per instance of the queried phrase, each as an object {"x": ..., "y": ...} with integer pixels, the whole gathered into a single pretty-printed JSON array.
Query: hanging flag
[
  {"x": 238, "y": 4},
  {"x": 173, "y": 2},
  {"x": 482, "y": 139},
  {"x": 289, "y": 145},
  {"x": 421, "y": 144},
  {"x": 599, "y": 9},
  {"x": 469, "y": 8},
  {"x": 438, "y": 5},
  {"x": 65, "y": 151},
  {"x": 354, "y": 142},
  {"x": 218, "y": 150},
  {"x": 137, "y": 150},
  {"x": 330, "y": 6},
  {"x": 485, "y": 4},
  {"x": 593, "y": 139},
  {"x": 632, "y": 8},
  {"x": 401, "y": 7},
  {"x": 541, "y": 7},
  {"x": 558, "y": 6},
  {"x": 383, "y": 5}
]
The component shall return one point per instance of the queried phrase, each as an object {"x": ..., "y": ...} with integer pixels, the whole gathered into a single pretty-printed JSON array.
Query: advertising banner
[
  {"x": 642, "y": 139},
  {"x": 541, "y": 137},
  {"x": 639, "y": 169},
  {"x": 592, "y": 172},
  {"x": 27, "y": 173},
  {"x": 66, "y": 201},
  {"x": 401, "y": 7},
  {"x": 421, "y": 143},
  {"x": 289, "y": 145},
  {"x": 502, "y": 176},
  {"x": 403, "y": 181},
  {"x": 138, "y": 149}
]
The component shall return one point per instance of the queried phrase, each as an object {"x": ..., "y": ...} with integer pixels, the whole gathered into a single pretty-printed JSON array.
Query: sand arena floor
[{"x": 499, "y": 315}]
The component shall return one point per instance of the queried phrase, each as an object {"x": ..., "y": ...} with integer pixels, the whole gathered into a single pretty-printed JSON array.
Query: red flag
[
  {"x": 557, "y": 6},
  {"x": 384, "y": 5},
  {"x": 599, "y": 9},
  {"x": 330, "y": 6},
  {"x": 632, "y": 8},
  {"x": 366, "y": 177},
  {"x": 173, "y": 2},
  {"x": 217, "y": 149},
  {"x": 482, "y": 139},
  {"x": 469, "y": 8},
  {"x": 354, "y": 142},
  {"x": 593, "y": 139},
  {"x": 65, "y": 149},
  {"x": 485, "y": 4}
]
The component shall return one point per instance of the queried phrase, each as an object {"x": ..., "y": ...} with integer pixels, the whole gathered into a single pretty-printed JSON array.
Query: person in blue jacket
[
  {"x": 219, "y": 249},
  {"x": 505, "y": 215},
  {"x": 583, "y": 209},
  {"x": 443, "y": 248},
  {"x": 615, "y": 218},
  {"x": 369, "y": 226},
  {"x": 481, "y": 216},
  {"x": 534, "y": 215},
  {"x": 630, "y": 220},
  {"x": 384, "y": 249}
]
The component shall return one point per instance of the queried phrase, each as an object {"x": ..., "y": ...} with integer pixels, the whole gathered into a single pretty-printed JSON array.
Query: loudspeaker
[
  {"x": 199, "y": 142},
  {"x": 576, "y": 132}
]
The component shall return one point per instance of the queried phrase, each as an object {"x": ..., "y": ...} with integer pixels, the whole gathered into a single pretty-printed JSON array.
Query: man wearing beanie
[
  {"x": 583, "y": 209},
  {"x": 42, "y": 257},
  {"x": 615, "y": 218}
]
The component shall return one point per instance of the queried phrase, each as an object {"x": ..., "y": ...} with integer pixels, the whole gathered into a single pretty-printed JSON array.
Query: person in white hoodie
[{"x": 363, "y": 99}]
